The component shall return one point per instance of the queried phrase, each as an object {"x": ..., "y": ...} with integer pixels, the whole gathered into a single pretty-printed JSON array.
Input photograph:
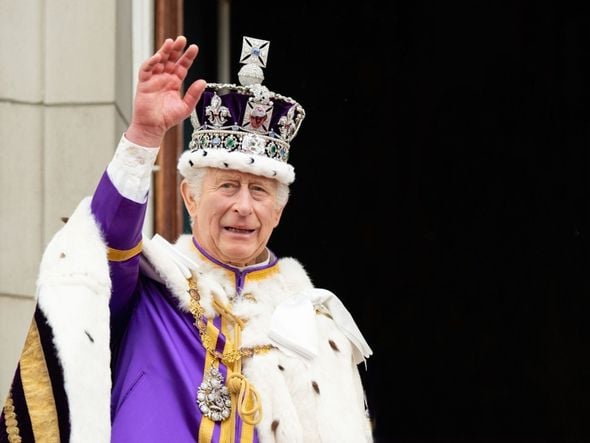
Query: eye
[
  {"x": 260, "y": 193},
  {"x": 259, "y": 189},
  {"x": 228, "y": 188}
]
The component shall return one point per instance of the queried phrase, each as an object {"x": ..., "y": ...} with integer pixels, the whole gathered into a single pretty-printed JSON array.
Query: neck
[
  {"x": 264, "y": 255},
  {"x": 259, "y": 259}
]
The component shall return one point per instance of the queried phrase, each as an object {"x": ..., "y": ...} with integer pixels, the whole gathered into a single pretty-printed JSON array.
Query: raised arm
[{"x": 120, "y": 201}]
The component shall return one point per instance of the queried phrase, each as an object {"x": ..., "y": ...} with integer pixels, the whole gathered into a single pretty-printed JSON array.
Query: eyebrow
[{"x": 236, "y": 177}]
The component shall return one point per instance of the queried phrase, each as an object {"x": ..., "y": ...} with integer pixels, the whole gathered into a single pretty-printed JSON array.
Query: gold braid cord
[
  {"x": 11, "y": 421},
  {"x": 248, "y": 399},
  {"x": 240, "y": 386}
]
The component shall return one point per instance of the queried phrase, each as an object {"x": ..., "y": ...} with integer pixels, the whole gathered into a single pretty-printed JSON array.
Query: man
[{"x": 212, "y": 339}]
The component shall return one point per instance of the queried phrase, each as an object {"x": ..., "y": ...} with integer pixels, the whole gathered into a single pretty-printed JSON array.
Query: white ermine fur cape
[{"x": 304, "y": 400}]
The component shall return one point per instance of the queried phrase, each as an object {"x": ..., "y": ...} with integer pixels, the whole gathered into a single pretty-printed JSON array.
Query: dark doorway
[{"x": 442, "y": 193}]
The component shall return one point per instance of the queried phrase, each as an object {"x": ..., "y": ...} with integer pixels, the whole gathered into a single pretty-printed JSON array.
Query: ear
[{"x": 189, "y": 202}]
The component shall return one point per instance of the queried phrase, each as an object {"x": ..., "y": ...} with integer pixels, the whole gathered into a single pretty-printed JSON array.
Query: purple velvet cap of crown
[{"x": 240, "y": 107}]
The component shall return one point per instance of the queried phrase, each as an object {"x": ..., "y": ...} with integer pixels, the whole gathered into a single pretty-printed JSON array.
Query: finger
[
  {"x": 185, "y": 62},
  {"x": 189, "y": 56},
  {"x": 174, "y": 53},
  {"x": 193, "y": 93},
  {"x": 155, "y": 64},
  {"x": 165, "y": 50},
  {"x": 149, "y": 64},
  {"x": 177, "y": 48},
  {"x": 148, "y": 67}
]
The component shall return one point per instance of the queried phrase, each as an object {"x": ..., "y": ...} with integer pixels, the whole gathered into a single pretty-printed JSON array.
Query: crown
[{"x": 245, "y": 127}]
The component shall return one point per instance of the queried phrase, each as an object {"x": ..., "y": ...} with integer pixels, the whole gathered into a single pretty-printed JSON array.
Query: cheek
[
  {"x": 215, "y": 210},
  {"x": 273, "y": 217}
]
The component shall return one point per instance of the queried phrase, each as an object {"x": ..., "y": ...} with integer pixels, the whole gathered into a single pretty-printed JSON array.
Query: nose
[{"x": 243, "y": 203}]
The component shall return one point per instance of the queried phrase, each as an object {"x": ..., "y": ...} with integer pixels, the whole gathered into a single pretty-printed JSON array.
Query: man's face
[{"x": 235, "y": 215}]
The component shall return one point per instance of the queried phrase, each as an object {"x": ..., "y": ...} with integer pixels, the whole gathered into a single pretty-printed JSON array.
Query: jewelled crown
[{"x": 244, "y": 127}]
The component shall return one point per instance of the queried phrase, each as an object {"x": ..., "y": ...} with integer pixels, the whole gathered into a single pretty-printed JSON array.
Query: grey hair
[{"x": 195, "y": 183}]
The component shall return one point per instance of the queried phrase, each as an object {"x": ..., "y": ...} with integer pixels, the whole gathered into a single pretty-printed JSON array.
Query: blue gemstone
[
  {"x": 255, "y": 51},
  {"x": 216, "y": 140}
]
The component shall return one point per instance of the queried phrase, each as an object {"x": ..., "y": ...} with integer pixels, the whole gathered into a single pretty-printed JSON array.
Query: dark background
[{"x": 442, "y": 193}]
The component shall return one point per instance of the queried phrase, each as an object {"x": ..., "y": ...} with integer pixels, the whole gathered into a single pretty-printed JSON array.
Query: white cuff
[{"x": 130, "y": 170}]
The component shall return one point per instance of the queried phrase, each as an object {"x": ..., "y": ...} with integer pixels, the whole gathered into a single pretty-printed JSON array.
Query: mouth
[{"x": 239, "y": 230}]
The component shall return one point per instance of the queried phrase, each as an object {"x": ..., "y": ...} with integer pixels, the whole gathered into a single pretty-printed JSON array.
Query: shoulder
[
  {"x": 184, "y": 243},
  {"x": 76, "y": 250},
  {"x": 294, "y": 274}
]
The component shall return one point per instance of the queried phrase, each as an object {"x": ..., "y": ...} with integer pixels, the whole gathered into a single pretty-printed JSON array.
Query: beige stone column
[{"x": 65, "y": 98}]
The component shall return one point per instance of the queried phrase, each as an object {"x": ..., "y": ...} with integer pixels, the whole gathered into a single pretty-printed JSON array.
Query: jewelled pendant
[{"x": 213, "y": 396}]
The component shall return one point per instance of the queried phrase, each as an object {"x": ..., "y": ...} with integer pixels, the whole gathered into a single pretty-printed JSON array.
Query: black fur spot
[
  {"x": 316, "y": 387},
  {"x": 89, "y": 336},
  {"x": 274, "y": 425}
]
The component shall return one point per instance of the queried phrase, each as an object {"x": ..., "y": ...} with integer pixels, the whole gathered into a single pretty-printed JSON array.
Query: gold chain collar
[{"x": 235, "y": 353}]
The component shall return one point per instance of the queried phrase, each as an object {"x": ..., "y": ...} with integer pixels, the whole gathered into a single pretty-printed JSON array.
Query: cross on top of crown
[{"x": 254, "y": 51}]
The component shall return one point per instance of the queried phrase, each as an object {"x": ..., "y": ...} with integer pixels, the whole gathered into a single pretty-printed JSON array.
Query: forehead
[{"x": 218, "y": 175}]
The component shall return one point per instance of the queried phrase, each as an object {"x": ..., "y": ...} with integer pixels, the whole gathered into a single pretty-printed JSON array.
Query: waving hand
[{"x": 159, "y": 103}]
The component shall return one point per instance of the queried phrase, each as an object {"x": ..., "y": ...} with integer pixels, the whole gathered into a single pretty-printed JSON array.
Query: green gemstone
[
  {"x": 230, "y": 142},
  {"x": 204, "y": 140}
]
